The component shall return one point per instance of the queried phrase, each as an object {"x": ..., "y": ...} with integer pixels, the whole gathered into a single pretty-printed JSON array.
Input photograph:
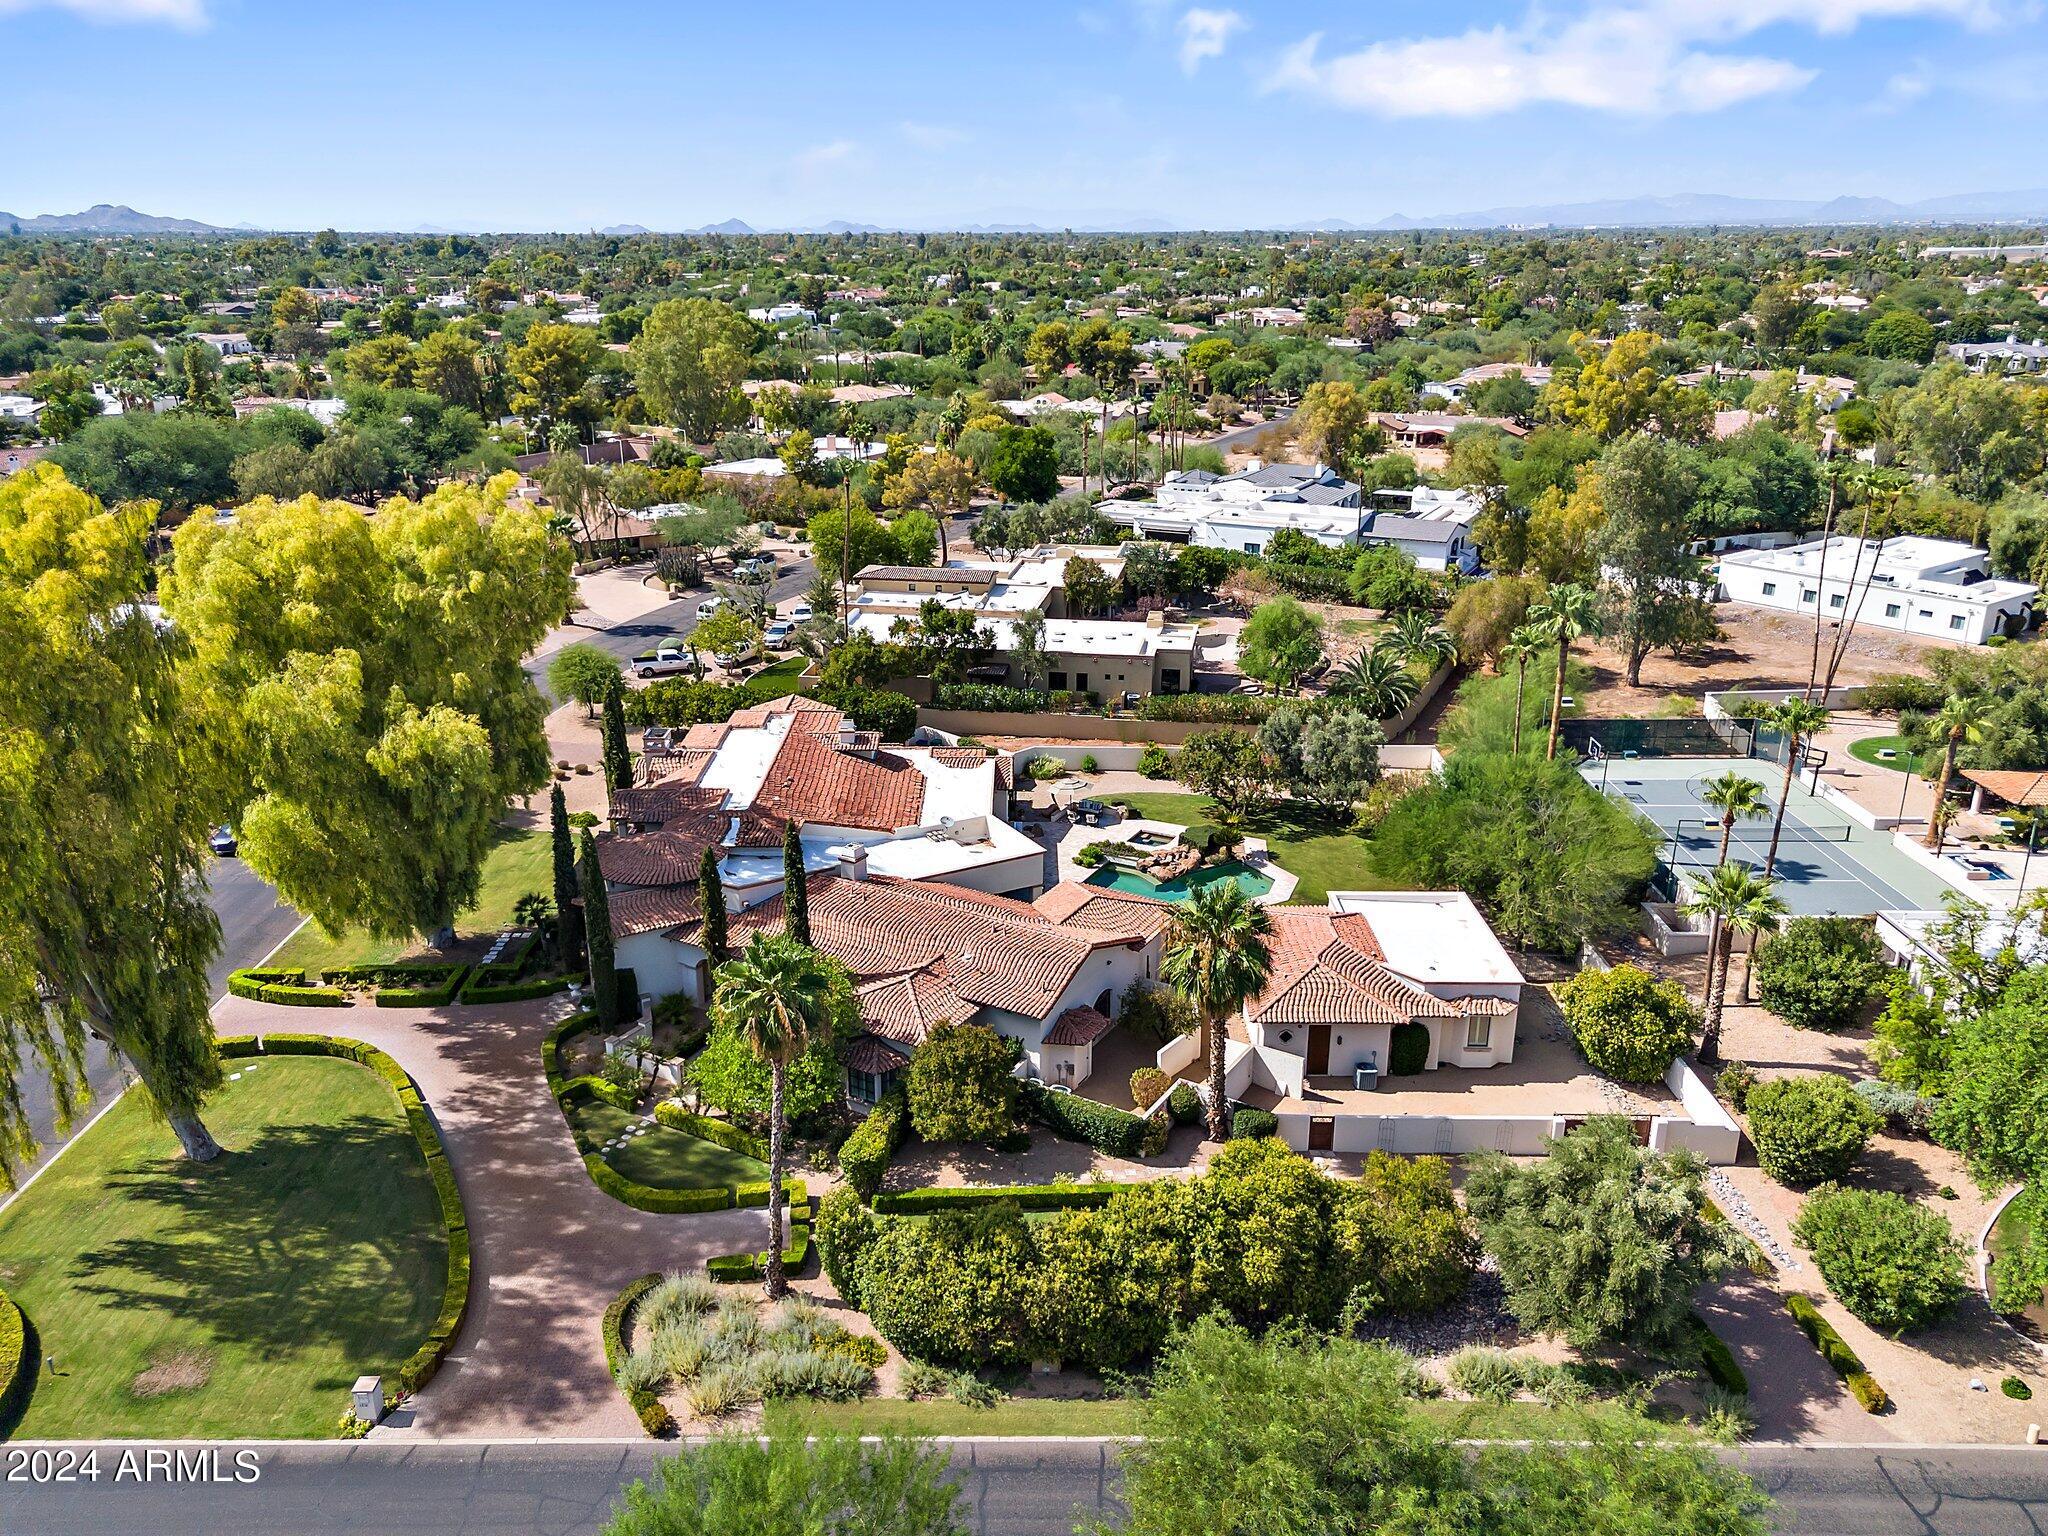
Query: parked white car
[
  {"x": 709, "y": 606},
  {"x": 799, "y": 614},
  {"x": 778, "y": 633}
]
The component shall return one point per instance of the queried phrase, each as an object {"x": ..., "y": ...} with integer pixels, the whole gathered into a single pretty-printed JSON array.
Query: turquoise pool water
[{"x": 1181, "y": 887}]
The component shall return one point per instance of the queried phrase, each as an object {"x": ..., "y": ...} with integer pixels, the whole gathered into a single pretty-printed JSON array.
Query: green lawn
[
  {"x": 1321, "y": 852},
  {"x": 789, "y": 671},
  {"x": 519, "y": 862},
  {"x": 662, "y": 1158},
  {"x": 239, "y": 1298},
  {"x": 1908, "y": 761}
]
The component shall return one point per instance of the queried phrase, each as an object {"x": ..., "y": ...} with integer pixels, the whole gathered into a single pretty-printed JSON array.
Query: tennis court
[{"x": 1827, "y": 864}]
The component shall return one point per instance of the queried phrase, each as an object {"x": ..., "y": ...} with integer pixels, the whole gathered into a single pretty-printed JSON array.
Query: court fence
[{"x": 1679, "y": 736}]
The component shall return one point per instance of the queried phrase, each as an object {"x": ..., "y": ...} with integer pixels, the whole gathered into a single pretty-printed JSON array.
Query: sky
[{"x": 1223, "y": 114}]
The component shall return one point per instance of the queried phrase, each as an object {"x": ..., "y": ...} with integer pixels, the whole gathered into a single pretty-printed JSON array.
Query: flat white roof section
[
  {"x": 1432, "y": 937},
  {"x": 741, "y": 763}
]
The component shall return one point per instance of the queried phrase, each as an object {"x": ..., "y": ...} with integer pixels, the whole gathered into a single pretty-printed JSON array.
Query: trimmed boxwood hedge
[
  {"x": 496, "y": 984},
  {"x": 419, "y": 1369},
  {"x": 864, "y": 1156},
  {"x": 647, "y": 1406},
  {"x": 1248, "y": 1124},
  {"x": 1836, "y": 1351},
  {"x": 292, "y": 988},
  {"x": 1716, "y": 1358},
  {"x": 730, "y": 1268},
  {"x": 17, "y": 1368},
  {"x": 1073, "y": 1118},
  {"x": 1408, "y": 1050},
  {"x": 723, "y": 1132},
  {"x": 1027, "y": 1197}
]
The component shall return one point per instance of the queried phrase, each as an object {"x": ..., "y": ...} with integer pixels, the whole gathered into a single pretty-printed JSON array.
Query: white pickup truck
[{"x": 666, "y": 659}]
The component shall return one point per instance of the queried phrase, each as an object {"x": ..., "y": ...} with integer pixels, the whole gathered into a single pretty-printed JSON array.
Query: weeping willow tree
[{"x": 112, "y": 773}]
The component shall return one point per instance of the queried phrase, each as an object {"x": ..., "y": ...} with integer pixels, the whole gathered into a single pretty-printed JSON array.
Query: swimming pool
[{"x": 1182, "y": 887}]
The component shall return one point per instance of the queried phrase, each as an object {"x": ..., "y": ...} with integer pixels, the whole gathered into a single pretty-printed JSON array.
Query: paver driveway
[{"x": 550, "y": 1249}]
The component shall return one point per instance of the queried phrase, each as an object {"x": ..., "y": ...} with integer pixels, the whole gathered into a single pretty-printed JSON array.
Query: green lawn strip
[
  {"x": 789, "y": 670},
  {"x": 1321, "y": 853},
  {"x": 257, "y": 1287},
  {"x": 518, "y": 863},
  {"x": 1033, "y": 1416},
  {"x": 661, "y": 1158},
  {"x": 1908, "y": 761}
]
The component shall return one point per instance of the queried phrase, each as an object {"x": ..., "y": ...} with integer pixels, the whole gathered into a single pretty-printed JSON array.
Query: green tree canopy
[{"x": 688, "y": 361}]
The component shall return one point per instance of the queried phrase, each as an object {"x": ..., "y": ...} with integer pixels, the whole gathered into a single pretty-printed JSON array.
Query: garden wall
[
  {"x": 1179, "y": 1053},
  {"x": 1706, "y": 1127},
  {"x": 1714, "y": 708}
]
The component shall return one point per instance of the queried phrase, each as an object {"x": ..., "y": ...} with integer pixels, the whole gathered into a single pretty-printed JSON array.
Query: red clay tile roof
[
  {"x": 999, "y": 953},
  {"x": 1322, "y": 975},
  {"x": 1078, "y": 1026},
  {"x": 906, "y": 1007},
  {"x": 654, "y": 910},
  {"x": 812, "y": 779},
  {"x": 1076, "y": 904},
  {"x": 666, "y": 800},
  {"x": 867, "y": 1054},
  {"x": 959, "y": 757},
  {"x": 1006, "y": 771},
  {"x": 812, "y": 717},
  {"x": 664, "y": 858}
]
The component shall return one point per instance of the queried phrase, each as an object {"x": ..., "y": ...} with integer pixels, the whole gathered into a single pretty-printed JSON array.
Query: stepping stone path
[{"x": 502, "y": 943}]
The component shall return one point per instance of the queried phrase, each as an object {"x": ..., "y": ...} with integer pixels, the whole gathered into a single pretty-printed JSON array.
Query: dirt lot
[{"x": 1760, "y": 649}]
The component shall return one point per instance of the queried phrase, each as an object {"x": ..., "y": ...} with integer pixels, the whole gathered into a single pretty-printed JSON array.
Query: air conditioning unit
[{"x": 1365, "y": 1077}]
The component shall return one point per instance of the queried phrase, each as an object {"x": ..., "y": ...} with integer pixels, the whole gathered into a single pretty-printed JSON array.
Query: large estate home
[{"x": 915, "y": 882}]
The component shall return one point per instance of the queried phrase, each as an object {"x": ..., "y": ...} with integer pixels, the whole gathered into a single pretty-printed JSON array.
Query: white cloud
[
  {"x": 1645, "y": 57},
  {"x": 932, "y": 136},
  {"x": 187, "y": 14},
  {"x": 825, "y": 157},
  {"x": 1203, "y": 33}
]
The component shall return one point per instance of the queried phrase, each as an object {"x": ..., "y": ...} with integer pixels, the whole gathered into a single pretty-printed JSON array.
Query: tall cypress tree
[
  {"x": 568, "y": 917},
  {"x": 597, "y": 924},
  {"x": 618, "y": 757},
  {"x": 711, "y": 902},
  {"x": 796, "y": 897}
]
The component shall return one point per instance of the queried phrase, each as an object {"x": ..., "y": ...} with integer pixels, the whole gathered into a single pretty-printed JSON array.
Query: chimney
[
  {"x": 853, "y": 862},
  {"x": 1156, "y": 619}
]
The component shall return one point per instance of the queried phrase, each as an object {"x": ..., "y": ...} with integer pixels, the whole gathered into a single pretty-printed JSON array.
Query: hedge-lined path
[{"x": 550, "y": 1249}]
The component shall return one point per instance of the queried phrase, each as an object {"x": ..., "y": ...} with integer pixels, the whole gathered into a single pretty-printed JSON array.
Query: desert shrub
[
  {"x": 1628, "y": 1024},
  {"x": 1407, "y": 1050},
  {"x": 640, "y": 1372},
  {"x": 1092, "y": 855},
  {"x": 679, "y": 1298},
  {"x": 1402, "y": 1236},
  {"x": 1247, "y": 1124},
  {"x": 1147, "y": 1084},
  {"x": 1820, "y": 973},
  {"x": 1155, "y": 762},
  {"x": 1490, "y": 1375},
  {"x": 1046, "y": 769},
  {"x": 1901, "y": 1108},
  {"x": 1733, "y": 1083},
  {"x": 721, "y": 1390},
  {"x": 1089, "y": 764},
  {"x": 1896, "y": 691},
  {"x": 959, "y": 1086},
  {"x": 2016, "y": 1389},
  {"x": 1808, "y": 1128},
  {"x": 1894, "y": 1264}
]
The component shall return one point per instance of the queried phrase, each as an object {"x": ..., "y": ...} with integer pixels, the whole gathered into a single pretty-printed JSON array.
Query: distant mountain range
[
  {"x": 1684, "y": 210},
  {"x": 108, "y": 219}
]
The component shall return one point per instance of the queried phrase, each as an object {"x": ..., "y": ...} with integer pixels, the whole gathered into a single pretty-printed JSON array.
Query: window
[
  {"x": 864, "y": 1087},
  {"x": 1836, "y": 601},
  {"x": 1955, "y": 621},
  {"x": 1250, "y": 548},
  {"x": 1806, "y": 594},
  {"x": 1169, "y": 679},
  {"x": 1057, "y": 682},
  {"x": 1478, "y": 1033},
  {"x": 1770, "y": 589},
  {"x": 1891, "y": 610}
]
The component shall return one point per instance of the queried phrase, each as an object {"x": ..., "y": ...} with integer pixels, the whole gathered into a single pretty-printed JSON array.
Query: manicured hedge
[
  {"x": 1407, "y": 1050},
  {"x": 419, "y": 1369},
  {"x": 652, "y": 1412},
  {"x": 419, "y": 986},
  {"x": 864, "y": 1156},
  {"x": 754, "y": 1193},
  {"x": 551, "y": 1048},
  {"x": 1248, "y": 1124},
  {"x": 733, "y": 1267},
  {"x": 1026, "y": 1197},
  {"x": 1836, "y": 1351},
  {"x": 994, "y": 696},
  {"x": 1716, "y": 1358},
  {"x": 486, "y": 986},
  {"x": 1073, "y": 1118},
  {"x": 288, "y": 987},
  {"x": 724, "y": 1133},
  {"x": 17, "y": 1370}
]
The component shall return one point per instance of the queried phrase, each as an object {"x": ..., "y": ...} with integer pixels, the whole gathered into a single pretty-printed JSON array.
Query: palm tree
[
  {"x": 1737, "y": 798},
  {"x": 778, "y": 994},
  {"x": 1961, "y": 718},
  {"x": 1798, "y": 721},
  {"x": 1378, "y": 681},
  {"x": 1524, "y": 643},
  {"x": 1216, "y": 958},
  {"x": 1416, "y": 635},
  {"x": 1736, "y": 901},
  {"x": 1764, "y": 915},
  {"x": 1570, "y": 611}
]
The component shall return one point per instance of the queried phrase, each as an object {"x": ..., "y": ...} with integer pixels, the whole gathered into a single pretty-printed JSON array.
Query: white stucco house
[{"x": 1934, "y": 587}]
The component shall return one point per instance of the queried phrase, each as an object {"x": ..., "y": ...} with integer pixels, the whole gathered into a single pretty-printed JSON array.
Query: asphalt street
[{"x": 1009, "y": 1488}]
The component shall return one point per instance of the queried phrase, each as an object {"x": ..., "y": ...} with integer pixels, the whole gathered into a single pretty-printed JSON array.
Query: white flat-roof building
[
  {"x": 1243, "y": 511},
  {"x": 1934, "y": 587}
]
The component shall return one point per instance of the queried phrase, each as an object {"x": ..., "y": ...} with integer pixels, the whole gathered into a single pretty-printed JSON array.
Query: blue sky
[{"x": 1219, "y": 114}]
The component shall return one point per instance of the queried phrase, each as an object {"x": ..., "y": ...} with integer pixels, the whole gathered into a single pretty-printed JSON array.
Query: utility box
[{"x": 369, "y": 1399}]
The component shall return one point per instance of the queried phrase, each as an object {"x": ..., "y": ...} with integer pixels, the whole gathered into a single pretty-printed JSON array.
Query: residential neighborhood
[{"x": 1036, "y": 803}]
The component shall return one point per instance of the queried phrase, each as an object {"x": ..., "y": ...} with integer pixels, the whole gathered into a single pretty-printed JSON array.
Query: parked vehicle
[
  {"x": 709, "y": 606},
  {"x": 223, "y": 842},
  {"x": 664, "y": 660},
  {"x": 800, "y": 614},
  {"x": 778, "y": 633}
]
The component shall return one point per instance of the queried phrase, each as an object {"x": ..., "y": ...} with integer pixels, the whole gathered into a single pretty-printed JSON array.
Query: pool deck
[{"x": 1254, "y": 854}]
